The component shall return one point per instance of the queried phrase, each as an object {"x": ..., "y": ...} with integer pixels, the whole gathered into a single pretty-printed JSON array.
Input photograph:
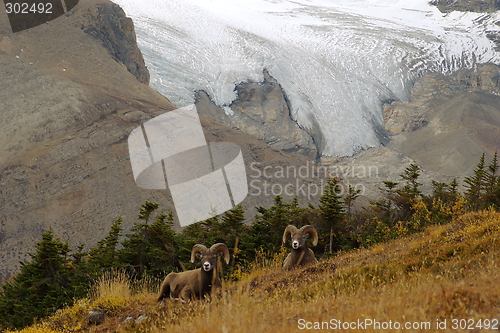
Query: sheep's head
[
  {"x": 299, "y": 236},
  {"x": 208, "y": 256}
]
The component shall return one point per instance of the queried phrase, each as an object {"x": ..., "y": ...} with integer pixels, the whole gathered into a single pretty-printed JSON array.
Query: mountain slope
[
  {"x": 446, "y": 276},
  {"x": 67, "y": 107},
  {"x": 446, "y": 132}
]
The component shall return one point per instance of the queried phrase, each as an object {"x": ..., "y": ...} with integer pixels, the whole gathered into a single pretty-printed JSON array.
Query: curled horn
[
  {"x": 312, "y": 232},
  {"x": 197, "y": 248},
  {"x": 290, "y": 229},
  {"x": 222, "y": 248}
]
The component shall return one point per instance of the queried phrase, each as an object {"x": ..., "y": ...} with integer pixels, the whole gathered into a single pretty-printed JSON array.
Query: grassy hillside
[{"x": 447, "y": 275}]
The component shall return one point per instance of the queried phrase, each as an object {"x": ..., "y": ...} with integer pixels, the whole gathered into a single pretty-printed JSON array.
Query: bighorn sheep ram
[
  {"x": 196, "y": 283},
  {"x": 301, "y": 255}
]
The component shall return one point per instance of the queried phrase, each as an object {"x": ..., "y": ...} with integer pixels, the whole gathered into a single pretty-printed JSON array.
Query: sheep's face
[
  {"x": 208, "y": 260},
  {"x": 209, "y": 257},
  {"x": 299, "y": 236},
  {"x": 299, "y": 240}
]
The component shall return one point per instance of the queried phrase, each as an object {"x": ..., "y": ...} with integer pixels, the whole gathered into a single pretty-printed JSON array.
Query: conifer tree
[
  {"x": 476, "y": 184},
  {"x": 146, "y": 210},
  {"x": 443, "y": 198},
  {"x": 411, "y": 174},
  {"x": 492, "y": 183},
  {"x": 386, "y": 205},
  {"x": 105, "y": 255},
  {"x": 233, "y": 225},
  {"x": 440, "y": 190},
  {"x": 43, "y": 285},
  {"x": 149, "y": 248},
  {"x": 266, "y": 231},
  {"x": 410, "y": 193},
  {"x": 351, "y": 196},
  {"x": 160, "y": 247},
  {"x": 398, "y": 202},
  {"x": 332, "y": 210},
  {"x": 454, "y": 189}
]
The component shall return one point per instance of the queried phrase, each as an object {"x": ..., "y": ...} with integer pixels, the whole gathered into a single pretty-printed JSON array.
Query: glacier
[{"x": 338, "y": 61}]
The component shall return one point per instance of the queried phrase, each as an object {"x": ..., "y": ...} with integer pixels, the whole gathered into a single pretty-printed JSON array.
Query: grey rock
[
  {"x": 96, "y": 317},
  {"x": 141, "y": 319},
  {"x": 261, "y": 110},
  {"x": 129, "y": 319}
]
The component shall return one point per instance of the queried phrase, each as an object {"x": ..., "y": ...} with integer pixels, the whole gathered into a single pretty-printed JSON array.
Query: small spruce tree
[
  {"x": 475, "y": 184},
  {"x": 105, "y": 255},
  {"x": 332, "y": 211},
  {"x": 43, "y": 285},
  {"x": 351, "y": 196}
]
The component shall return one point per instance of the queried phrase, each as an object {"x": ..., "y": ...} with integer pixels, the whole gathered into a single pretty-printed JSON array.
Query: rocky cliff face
[
  {"x": 108, "y": 23},
  {"x": 433, "y": 90},
  {"x": 261, "y": 110}
]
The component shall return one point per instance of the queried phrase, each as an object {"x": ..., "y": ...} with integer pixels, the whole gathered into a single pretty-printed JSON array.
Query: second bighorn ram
[
  {"x": 301, "y": 255},
  {"x": 196, "y": 283}
]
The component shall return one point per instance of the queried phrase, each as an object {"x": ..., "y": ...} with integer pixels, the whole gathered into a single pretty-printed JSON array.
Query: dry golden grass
[
  {"x": 112, "y": 284},
  {"x": 444, "y": 273}
]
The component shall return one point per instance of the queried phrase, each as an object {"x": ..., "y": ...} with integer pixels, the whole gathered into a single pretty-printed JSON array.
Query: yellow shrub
[
  {"x": 421, "y": 216},
  {"x": 382, "y": 231},
  {"x": 452, "y": 210},
  {"x": 476, "y": 224},
  {"x": 400, "y": 229},
  {"x": 265, "y": 260},
  {"x": 459, "y": 208},
  {"x": 110, "y": 305},
  {"x": 239, "y": 273},
  {"x": 73, "y": 313}
]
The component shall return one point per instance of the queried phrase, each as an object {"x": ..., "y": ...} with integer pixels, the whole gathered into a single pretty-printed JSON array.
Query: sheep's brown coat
[{"x": 196, "y": 283}]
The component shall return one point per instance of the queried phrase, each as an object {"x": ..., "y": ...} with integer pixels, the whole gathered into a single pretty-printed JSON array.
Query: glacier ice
[{"x": 337, "y": 60}]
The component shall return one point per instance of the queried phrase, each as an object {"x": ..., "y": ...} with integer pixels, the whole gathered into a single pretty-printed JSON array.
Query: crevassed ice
[{"x": 337, "y": 60}]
